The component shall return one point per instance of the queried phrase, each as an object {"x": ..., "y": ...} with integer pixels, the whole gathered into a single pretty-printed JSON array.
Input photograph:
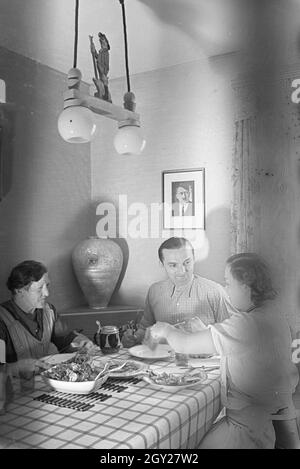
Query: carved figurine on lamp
[{"x": 101, "y": 67}]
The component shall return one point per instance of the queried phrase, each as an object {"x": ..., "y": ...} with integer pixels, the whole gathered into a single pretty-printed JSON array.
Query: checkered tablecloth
[{"x": 135, "y": 416}]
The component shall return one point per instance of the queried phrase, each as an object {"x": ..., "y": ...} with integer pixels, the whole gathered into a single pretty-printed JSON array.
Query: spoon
[{"x": 99, "y": 326}]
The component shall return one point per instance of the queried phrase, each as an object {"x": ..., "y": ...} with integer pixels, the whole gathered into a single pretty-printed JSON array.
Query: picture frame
[{"x": 183, "y": 197}]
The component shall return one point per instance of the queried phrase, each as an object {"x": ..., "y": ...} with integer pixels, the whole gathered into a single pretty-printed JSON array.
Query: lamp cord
[
  {"x": 76, "y": 33},
  {"x": 125, "y": 43}
]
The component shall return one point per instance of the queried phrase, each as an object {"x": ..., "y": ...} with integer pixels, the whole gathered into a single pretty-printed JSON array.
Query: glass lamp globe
[
  {"x": 76, "y": 124},
  {"x": 129, "y": 140}
]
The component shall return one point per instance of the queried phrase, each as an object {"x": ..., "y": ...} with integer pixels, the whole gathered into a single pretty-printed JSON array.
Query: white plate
[
  {"x": 136, "y": 367},
  {"x": 57, "y": 358},
  {"x": 201, "y": 375},
  {"x": 200, "y": 355},
  {"x": 142, "y": 351},
  {"x": 205, "y": 362}
]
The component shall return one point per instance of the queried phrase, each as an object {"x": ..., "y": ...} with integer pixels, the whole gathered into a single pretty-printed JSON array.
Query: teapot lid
[{"x": 109, "y": 329}]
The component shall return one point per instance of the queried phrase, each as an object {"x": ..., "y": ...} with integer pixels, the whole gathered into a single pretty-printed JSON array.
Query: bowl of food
[{"x": 75, "y": 377}]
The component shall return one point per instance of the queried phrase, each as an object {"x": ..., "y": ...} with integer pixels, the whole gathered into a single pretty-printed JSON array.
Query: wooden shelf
[{"x": 84, "y": 317}]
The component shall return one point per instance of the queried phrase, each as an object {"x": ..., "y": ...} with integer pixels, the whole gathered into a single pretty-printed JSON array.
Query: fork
[
  {"x": 118, "y": 367},
  {"x": 204, "y": 368},
  {"x": 102, "y": 371},
  {"x": 112, "y": 371}
]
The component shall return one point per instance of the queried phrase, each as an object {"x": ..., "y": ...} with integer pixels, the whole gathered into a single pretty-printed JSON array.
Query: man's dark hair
[
  {"x": 173, "y": 243},
  {"x": 184, "y": 186},
  {"x": 250, "y": 269},
  {"x": 25, "y": 273}
]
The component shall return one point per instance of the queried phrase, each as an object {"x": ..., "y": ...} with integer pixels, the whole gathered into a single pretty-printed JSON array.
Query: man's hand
[{"x": 131, "y": 338}]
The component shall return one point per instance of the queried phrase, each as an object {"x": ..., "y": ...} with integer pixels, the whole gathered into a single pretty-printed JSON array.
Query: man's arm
[
  {"x": 148, "y": 318},
  {"x": 129, "y": 339}
]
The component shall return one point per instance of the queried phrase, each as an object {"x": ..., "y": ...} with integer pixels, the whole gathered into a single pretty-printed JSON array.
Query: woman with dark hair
[
  {"x": 258, "y": 377},
  {"x": 30, "y": 327}
]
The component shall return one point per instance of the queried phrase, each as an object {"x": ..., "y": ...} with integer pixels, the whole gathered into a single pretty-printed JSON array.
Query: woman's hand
[
  {"x": 160, "y": 330},
  {"x": 149, "y": 340},
  {"x": 194, "y": 325},
  {"x": 81, "y": 341}
]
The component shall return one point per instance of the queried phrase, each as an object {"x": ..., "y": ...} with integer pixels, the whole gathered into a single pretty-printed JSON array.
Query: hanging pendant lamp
[
  {"x": 76, "y": 122},
  {"x": 129, "y": 138}
]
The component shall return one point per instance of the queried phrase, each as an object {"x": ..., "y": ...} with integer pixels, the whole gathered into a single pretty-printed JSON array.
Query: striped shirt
[{"x": 200, "y": 298}]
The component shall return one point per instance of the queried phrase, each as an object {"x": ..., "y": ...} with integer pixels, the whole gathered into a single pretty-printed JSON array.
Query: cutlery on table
[
  {"x": 105, "y": 369},
  {"x": 204, "y": 368}
]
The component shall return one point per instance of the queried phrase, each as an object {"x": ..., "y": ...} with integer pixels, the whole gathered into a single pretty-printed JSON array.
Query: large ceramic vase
[{"x": 97, "y": 263}]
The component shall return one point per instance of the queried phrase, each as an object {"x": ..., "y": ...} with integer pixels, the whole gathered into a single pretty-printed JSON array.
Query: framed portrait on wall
[{"x": 183, "y": 196}]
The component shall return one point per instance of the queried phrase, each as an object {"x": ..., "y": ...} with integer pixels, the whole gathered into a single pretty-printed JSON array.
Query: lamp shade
[
  {"x": 129, "y": 140},
  {"x": 76, "y": 124}
]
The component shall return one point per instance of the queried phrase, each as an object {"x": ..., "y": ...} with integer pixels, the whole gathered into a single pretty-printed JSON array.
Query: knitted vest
[{"x": 25, "y": 344}]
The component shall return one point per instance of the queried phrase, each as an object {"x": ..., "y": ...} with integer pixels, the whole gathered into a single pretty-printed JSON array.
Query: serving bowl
[{"x": 74, "y": 387}]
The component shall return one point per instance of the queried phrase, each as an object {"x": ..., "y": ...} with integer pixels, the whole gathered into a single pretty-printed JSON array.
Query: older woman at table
[
  {"x": 30, "y": 327},
  {"x": 257, "y": 375}
]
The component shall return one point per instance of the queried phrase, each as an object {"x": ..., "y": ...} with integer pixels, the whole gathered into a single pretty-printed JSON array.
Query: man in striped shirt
[{"x": 184, "y": 297}]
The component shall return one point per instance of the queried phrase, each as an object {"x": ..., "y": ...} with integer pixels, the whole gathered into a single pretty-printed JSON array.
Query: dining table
[{"x": 124, "y": 413}]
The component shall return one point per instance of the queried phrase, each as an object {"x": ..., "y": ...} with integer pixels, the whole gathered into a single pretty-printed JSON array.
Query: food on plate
[
  {"x": 122, "y": 368},
  {"x": 129, "y": 367},
  {"x": 174, "y": 379}
]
